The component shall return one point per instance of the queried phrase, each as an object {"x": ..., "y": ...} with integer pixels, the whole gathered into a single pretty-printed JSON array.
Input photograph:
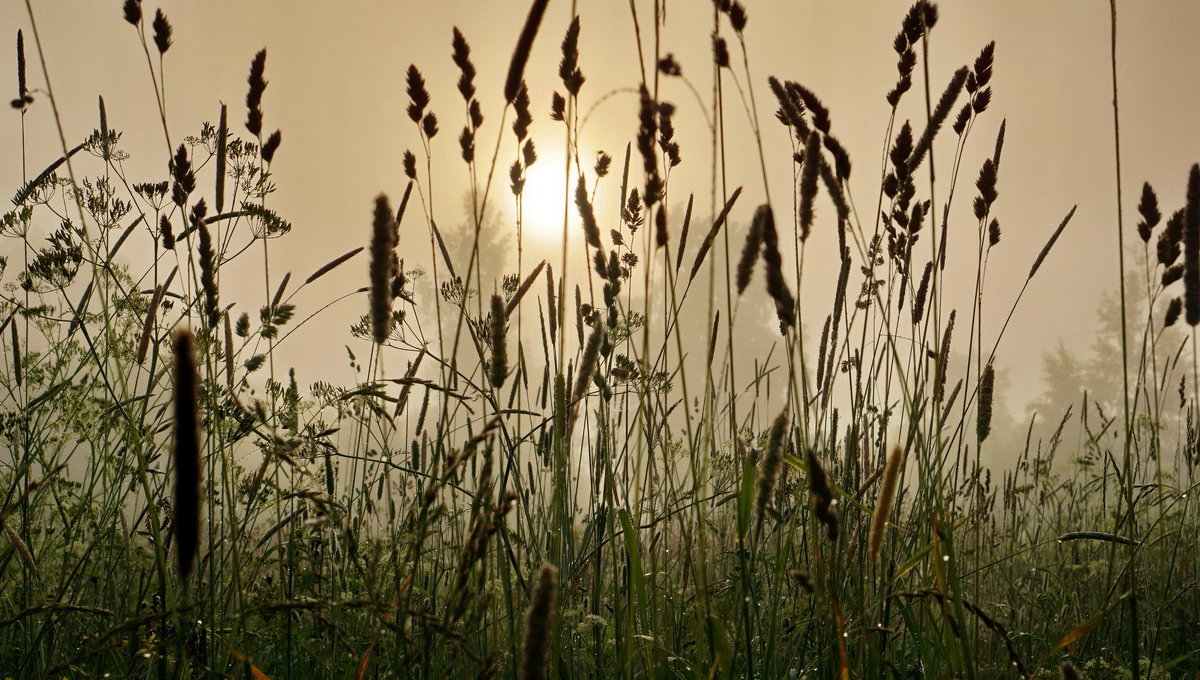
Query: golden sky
[{"x": 337, "y": 93}]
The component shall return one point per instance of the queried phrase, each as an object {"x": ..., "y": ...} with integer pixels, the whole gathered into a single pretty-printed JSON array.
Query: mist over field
[{"x": 536, "y": 339}]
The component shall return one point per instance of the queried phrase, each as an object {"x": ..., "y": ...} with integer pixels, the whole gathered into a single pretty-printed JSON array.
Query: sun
[{"x": 543, "y": 196}]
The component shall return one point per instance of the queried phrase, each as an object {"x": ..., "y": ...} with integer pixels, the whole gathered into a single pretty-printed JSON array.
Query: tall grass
[{"x": 607, "y": 478}]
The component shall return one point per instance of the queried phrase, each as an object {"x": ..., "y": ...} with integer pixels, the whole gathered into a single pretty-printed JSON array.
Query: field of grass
[{"x": 569, "y": 472}]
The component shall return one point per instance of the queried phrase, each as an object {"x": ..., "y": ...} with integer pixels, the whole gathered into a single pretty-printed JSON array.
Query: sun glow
[{"x": 543, "y": 198}]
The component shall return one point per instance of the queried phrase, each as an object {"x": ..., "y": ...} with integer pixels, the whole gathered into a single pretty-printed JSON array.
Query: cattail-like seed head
[
  {"x": 228, "y": 351},
  {"x": 380, "y": 269},
  {"x": 186, "y": 524},
  {"x": 222, "y": 152},
  {"x": 499, "y": 351},
  {"x": 768, "y": 469},
  {"x": 23, "y": 97},
  {"x": 16, "y": 351},
  {"x": 1070, "y": 672},
  {"x": 1191, "y": 249},
  {"x": 983, "y": 421},
  {"x": 516, "y": 66},
  {"x": 539, "y": 625},
  {"x": 887, "y": 496}
]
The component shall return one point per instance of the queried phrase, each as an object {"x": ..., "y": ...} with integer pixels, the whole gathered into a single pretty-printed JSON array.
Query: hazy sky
[{"x": 337, "y": 93}]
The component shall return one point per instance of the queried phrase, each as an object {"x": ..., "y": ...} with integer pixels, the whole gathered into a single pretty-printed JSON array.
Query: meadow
[{"x": 650, "y": 454}]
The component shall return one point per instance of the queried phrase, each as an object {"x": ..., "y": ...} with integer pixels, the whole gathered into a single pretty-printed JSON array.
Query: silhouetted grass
[{"x": 660, "y": 492}]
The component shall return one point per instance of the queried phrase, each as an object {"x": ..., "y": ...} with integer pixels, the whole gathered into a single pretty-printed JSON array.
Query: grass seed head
[
  {"x": 1191, "y": 249},
  {"x": 380, "y": 269},
  {"x": 887, "y": 496},
  {"x": 516, "y": 66},
  {"x": 768, "y": 469},
  {"x": 499, "y": 366},
  {"x": 162, "y": 32},
  {"x": 983, "y": 421},
  {"x": 186, "y": 521},
  {"x": 822, "y": 496},
  {"x": 539, "y": 624},
  {"x": 257, "y": 85}
]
